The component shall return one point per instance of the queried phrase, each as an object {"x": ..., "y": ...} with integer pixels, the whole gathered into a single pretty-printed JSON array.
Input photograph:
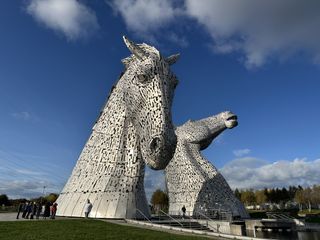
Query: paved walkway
[{"x": 13, "y": 217}]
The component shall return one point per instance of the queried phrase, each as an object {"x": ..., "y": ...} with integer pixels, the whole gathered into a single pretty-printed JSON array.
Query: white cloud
[
  {"x": 258, "y": 30},
  {"x": 241, "y": 152},
  {"x": 251, "y": 172},
  {"x": 70, "y": 17},
  {"x": 143, "y": 16}
]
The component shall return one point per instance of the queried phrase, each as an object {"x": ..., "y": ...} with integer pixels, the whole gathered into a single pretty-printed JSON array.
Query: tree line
[
  {"x": 6, "y": 201},
  {"x": 308, "y": 197}
]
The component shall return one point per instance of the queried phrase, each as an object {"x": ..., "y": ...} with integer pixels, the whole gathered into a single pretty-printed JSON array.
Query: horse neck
[{"x": 120, "y": 135}]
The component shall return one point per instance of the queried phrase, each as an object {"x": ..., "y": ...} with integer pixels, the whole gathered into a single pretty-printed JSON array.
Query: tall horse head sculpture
[
  {"x": 134, "y": 128},
  {"x": 148, "y": 86}
]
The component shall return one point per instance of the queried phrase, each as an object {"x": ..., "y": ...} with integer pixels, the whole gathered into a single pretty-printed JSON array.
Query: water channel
[{"x": 286, "y": 235}]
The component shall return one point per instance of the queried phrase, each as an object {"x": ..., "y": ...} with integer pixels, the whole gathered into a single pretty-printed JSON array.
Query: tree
[
  {"x": 308, "y": 197},
  {"x": 299, "y": 198},
  {"x": 316, "y": 195},
  {"x": 52, "y": 197},
  {"x": 159, "y": 200},
  {"x": 4, "y": 200},
  {"x": 260, "y": 196},
  {"x": 292, "y": 192},
  {"x": 248, "y": 197},
  {"x": 237, "y": 193}
]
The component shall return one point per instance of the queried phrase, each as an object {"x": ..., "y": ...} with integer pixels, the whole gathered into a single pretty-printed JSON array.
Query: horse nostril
[{"x": 155, "y": 144}]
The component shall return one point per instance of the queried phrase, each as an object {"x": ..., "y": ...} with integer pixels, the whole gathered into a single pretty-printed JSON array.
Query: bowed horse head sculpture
[
  {"x": 230, "y": 120},
  {"x": 148, "y": 87},
  {"x": 202, "y": 132},
  {"x": 202, "y": 187}
]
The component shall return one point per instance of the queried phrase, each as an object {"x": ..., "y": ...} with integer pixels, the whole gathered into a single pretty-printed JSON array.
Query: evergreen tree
[
  {"x": 4, "y": 200},
  {"x": 237, "y": 193}
]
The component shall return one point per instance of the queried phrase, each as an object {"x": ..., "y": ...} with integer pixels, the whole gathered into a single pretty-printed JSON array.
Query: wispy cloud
[
  {"x": 252, "y": 172},
  {"x": 70, "y": 17},
  {"x": 23, "y": 188},
  {"x": 23, "y": 175},
  {"x": 21, "y": 115},
  {"x": 241, "y": 152},
  {"x": 29, "y": 172},
  {"x": 25, "y": 116},
  {"x": 179, "y": 40}
]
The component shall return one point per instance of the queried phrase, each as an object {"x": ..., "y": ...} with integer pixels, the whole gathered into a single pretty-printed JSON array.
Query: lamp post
[{"x": 44, "y": 188}]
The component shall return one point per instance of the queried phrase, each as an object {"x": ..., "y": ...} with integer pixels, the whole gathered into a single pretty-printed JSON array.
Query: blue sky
[{"x": 261, "y": 60}]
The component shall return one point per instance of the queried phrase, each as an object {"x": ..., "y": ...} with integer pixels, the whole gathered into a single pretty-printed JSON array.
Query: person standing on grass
[
  {"x": 54, "y": 208},
  {"x": 46, "y": 212},
  {"x": 39, "y": 207},
  {"x": 20, "y": 209},
  {"x": 87, "y": 208}
]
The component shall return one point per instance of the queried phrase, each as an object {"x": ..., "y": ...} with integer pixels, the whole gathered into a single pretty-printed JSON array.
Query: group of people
[{"x": 33, "y": 210}]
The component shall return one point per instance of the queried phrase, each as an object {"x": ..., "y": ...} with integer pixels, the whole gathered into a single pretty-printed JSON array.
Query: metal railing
[
  {"x": 188, "y": 221},
  {"x": 145, "y": 217},
  {"x": 175, "y": 220},
  {"x": 208, "y": 219},
  {"x": 213, "y": 214}
]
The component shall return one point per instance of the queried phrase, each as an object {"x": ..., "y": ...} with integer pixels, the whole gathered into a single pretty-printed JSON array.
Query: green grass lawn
[{"x": 79, "y": 229}]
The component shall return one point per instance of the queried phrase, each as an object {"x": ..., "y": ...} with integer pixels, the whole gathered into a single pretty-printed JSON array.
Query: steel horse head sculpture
[
  {"x": 134, "y": 128},
  {"x": 191, "y": 179}
]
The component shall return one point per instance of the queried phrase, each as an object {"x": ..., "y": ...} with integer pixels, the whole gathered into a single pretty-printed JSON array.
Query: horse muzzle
[{"x": 161, "y": 150}]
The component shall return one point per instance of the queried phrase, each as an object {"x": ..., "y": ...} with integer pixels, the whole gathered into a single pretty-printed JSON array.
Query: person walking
[
  {"x": 20, "y": 208},
  {"x": 33, "y": 210},
  {"x": 29, "y": 210},
  {"x": 87, "y": 208},
  {"x": 183, "y": 209},
  {"x": 25, "y": 209}
]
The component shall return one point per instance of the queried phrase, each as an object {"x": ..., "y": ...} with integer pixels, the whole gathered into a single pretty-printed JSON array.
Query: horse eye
[{"x": 143, "y": 78}]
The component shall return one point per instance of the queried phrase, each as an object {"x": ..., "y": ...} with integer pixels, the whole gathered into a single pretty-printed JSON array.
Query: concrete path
[{"x": 13, "y": 217}]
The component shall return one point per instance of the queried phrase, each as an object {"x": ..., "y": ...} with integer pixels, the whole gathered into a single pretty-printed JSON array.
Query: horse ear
[
  {"x": 126, "y": 61},
  {"x": 173, "y": 58},
  {"x": 135, "y": 49}
]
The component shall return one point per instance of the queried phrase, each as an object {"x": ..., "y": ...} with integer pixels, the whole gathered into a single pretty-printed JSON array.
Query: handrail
[
  {"x": 171, "y": 217},
  {"x": 203, "y": 215},
  {"x": 143, "y": 215},
  {"x": 207, "y": 219},
  {"x": 191, "y": 218}
]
